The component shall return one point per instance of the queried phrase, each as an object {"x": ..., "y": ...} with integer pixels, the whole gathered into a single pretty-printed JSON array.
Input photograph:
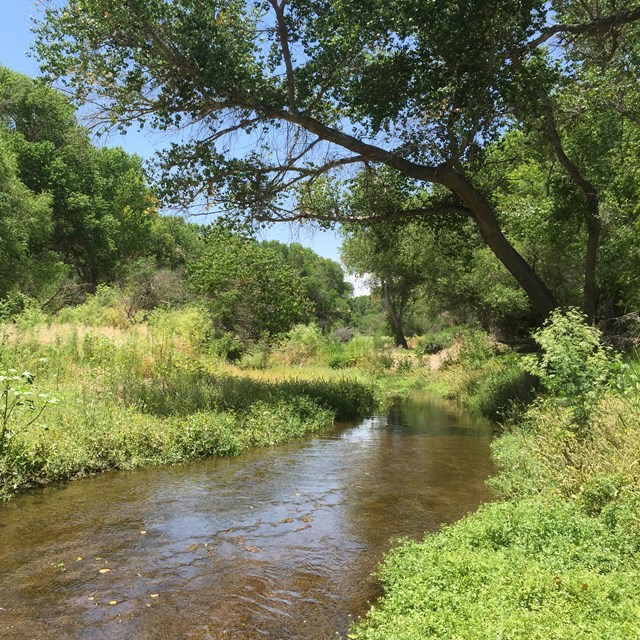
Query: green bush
[
  {"x": 303, "y": 343},
  {"x": 31, "y": 316},
  {"x": 436, "y": 341},
  {"x": 498, "y": 393},
  {"x": 228, "y": 347},
  {"x": 360, "y": 349},
  {"x": 191, "y": 324},
  {"x": 98, "y": 350},
  {"x": 257, "y": 357},
  {"x": 529, "y": 570},
  {"x": 21, "y": 406},
  {"x": 543, "y": 452},
  {"x": 337, "y": 356},
  {"x": 575, "y": 366},
  {"x": 104, "y": 308},
  {"x": 476, "y": 347},
  {"x": 267, "y": 424}
]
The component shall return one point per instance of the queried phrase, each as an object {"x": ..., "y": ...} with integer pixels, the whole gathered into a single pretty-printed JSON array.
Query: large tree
[
  {"x": 322, "y": 86},
  {"x": 249, "y": 289},
  {"x": 323, "y": 282},
  {"x": 25, "y": 220},
  {"x": 102, "y": 208}
]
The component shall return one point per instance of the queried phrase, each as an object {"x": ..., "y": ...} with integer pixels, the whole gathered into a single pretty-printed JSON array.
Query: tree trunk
[
  {"x": 539, "y": 295},
  {"x": 592, "y": 213},
  {"x": 594, "y": 229},
  {"x": 394, "y": 317}
]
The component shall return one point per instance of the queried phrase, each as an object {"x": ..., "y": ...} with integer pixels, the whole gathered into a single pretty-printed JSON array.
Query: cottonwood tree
[
  {"x": 323, "y": 282},
  {"x": 395, "y": 271},
  {"x": 26, "y": 223},
  {"x": 102, "y": 209},
  {"x": 248, "y": 288},
  {"x": 319, "y": 87},
  {"x": 586, "y": 114}
]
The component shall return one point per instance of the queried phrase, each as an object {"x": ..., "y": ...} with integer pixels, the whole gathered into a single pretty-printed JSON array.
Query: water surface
[{"x": 277, "y": 543}]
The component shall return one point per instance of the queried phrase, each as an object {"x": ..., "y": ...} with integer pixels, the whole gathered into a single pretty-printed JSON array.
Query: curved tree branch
[
  {"x": 399, "y": 214},
  {"x": 598, "y": 25}
]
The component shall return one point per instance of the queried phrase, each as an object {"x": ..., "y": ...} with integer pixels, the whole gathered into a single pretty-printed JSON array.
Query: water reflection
[{"x": 279, "y": 543}]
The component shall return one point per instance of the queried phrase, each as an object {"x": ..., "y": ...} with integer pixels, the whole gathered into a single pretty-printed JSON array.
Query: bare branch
[
  {"x": 314, "y": 171},
  {"x": 283, "y": 35},
  {"x": 598, "y": 25}
]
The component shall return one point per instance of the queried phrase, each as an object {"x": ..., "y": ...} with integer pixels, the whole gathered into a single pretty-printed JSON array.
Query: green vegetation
[
  {"x": 531, "y": 569},
  {"x": 559, "y": 557},
  {"x": 524, "y": 140},
  {"x": 97, "y": 397},
  {"x": 483, "y": 162}
]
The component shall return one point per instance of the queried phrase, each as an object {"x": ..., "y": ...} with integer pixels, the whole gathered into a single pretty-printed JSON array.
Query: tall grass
[{"x": 151, "y": 394}]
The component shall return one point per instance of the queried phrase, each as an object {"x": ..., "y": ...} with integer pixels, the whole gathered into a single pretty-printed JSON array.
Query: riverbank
[
  {"x": 558, "y": 557},
  {"x": 78, "y": 401},
  {"x": 280, "y": 542}
]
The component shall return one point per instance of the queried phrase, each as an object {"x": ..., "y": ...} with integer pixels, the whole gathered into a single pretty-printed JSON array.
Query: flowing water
[{"x": 277, "y": 543}]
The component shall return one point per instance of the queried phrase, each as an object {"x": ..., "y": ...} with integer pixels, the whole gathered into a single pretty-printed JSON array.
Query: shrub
[
  {"x": 500, "y": 391},
  {"x": 228, "y": 347},
  {"x": 476, "y": 347},
  {"x": 574, "y": 366},
  {"x": 104, "y": 308},
  {"x": 359, "y": 349},
  {"x": 258, "y": 357},
  {"x": 20, "y": 406},
  {"x": 544, "y": 453},
  {"x": 436, "y": 341},
  {"x": 31, "y": 316},
  {"x": 337, "y": 356},
  {"x": 191, "y": 324},
  {"x": 303, "y": 344}
]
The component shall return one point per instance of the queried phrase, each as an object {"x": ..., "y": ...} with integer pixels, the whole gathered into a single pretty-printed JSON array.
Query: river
[{"x": 278, "y": 543}]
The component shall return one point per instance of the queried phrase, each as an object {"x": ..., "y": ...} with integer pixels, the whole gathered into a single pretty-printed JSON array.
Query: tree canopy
[
  {"x": 250, "y": 290},
  {"x": 72, "y": 213},
  {"x": 322, "y": 87}
]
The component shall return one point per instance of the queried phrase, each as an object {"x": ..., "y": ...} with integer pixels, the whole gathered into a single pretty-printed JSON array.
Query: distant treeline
[{"x": 76, "y": 216}]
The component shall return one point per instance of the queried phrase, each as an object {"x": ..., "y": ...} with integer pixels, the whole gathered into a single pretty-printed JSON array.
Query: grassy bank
[
  {"x": 77, "y": 400},
  {"x": 559, "y": 557}
]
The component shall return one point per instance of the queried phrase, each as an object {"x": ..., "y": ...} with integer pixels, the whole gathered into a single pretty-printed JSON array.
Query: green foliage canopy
[
  {"x": 250, "y": 290},
  {"x": 320, "y": 86},
  {"x": 102, "y": 208}
]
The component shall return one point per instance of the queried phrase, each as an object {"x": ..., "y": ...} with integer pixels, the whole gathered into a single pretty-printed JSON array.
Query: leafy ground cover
[{"x": 559, "y": 557}]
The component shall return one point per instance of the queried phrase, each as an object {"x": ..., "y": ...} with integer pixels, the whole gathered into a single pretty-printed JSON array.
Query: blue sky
[{"x": 15, "y": 40}]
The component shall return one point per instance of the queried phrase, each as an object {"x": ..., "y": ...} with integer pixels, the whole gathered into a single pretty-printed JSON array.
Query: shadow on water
[{"x": 278, "y": 543}]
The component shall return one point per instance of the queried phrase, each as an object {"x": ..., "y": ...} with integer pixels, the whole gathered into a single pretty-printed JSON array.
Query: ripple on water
[{"x": 279, "y": 543}]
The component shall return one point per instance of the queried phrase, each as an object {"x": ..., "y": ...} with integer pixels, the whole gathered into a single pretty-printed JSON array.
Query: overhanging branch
[
  {"x": 599, "y": 25},
  {"x": 400, "y": 214}
]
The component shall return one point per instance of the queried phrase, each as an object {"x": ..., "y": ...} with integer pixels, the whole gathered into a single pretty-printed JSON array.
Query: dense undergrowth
[
  {"x": 559, "y": 557},
  {"x": 77, "y": 399}
]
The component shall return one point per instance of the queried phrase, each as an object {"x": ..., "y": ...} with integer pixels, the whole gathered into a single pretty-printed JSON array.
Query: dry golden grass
[
  {"x": 59, "y": 333},
  {"x": 611, "y": 447}
]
